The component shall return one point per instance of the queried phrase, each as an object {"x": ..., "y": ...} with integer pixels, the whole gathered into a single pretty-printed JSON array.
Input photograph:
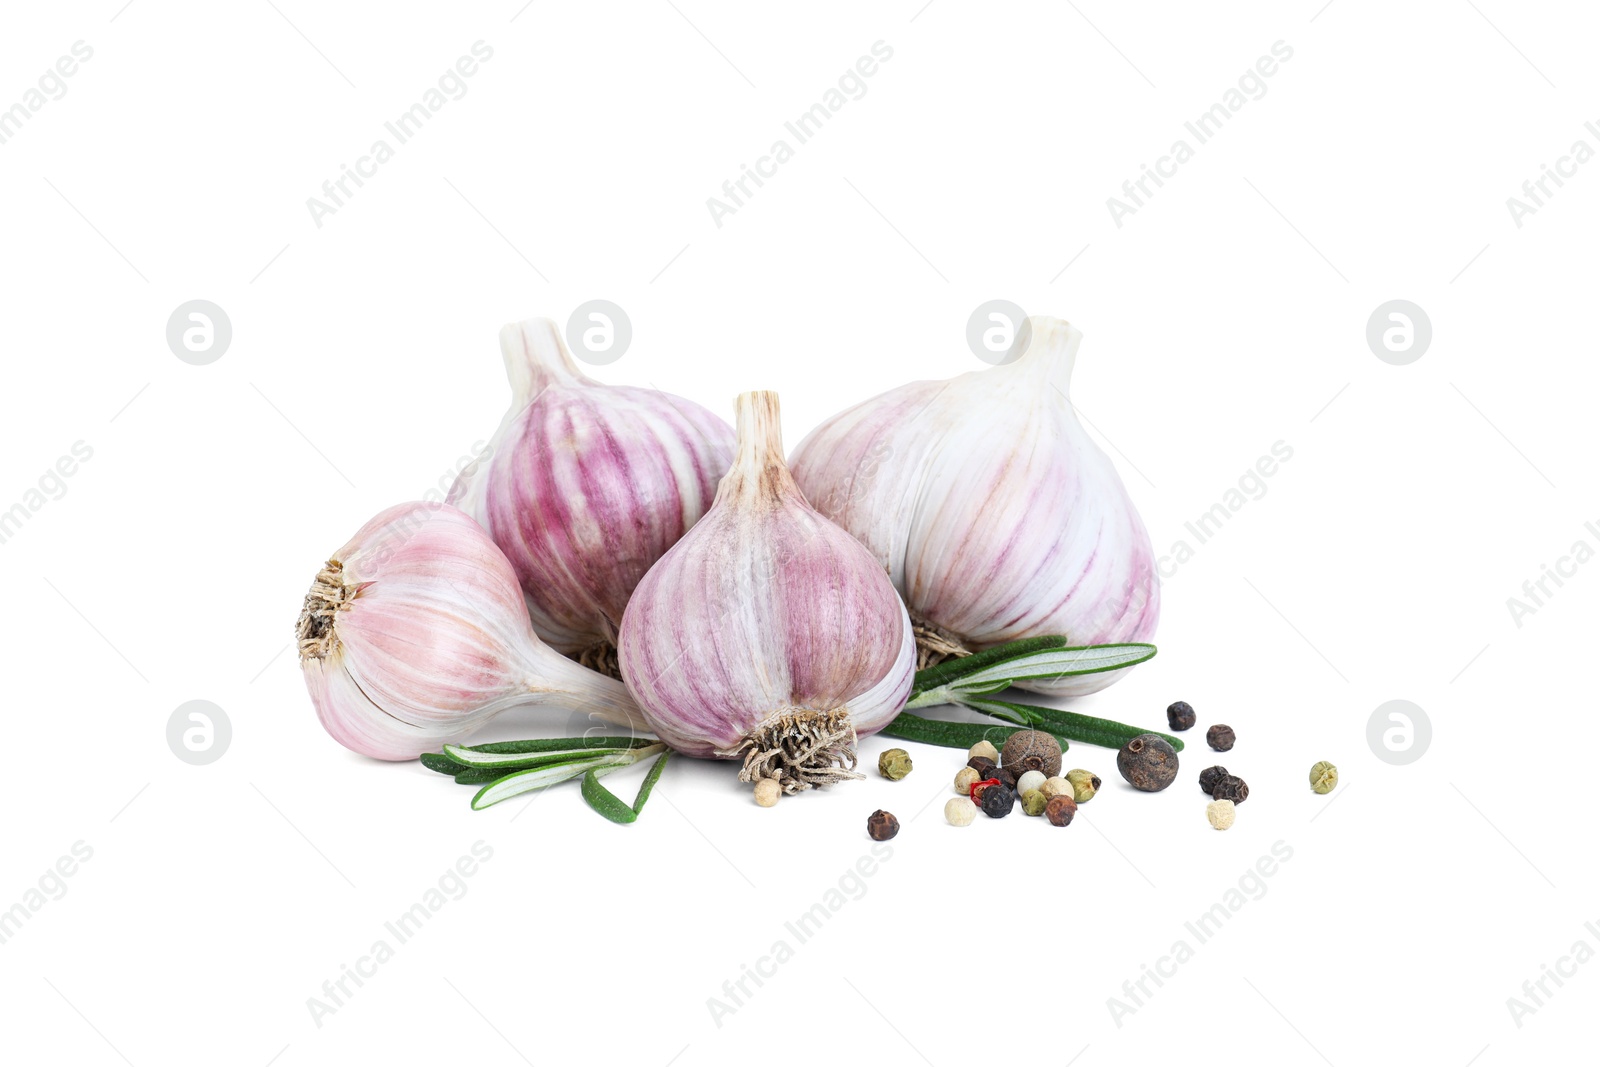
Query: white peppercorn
[
  {"x": 966, "y": 778},
  {"x": 1028, "y": 780},
  {"x": 767, "y": 792},
  {"x": 984, "y": 749},
  {"x": 1056, "y": 787},
  {"x": 960, "y": 811},
  {"x": 1220, "y": 814}
]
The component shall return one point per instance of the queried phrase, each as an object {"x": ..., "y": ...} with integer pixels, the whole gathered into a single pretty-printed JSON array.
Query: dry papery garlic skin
[
  {"x": 994, "y": 513},
  {"x": 414, "y": 635},
  {"x": 767, "y": 634},
  {"x": 585, "y": 486}
]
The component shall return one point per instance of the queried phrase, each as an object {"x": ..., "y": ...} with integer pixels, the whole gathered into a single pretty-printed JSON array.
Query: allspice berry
[
  {"x": 1220, "y": 814},
  {"x": 960, "y": 811},
  {"x": 1210, "y": 777},
  {"x": 1060, "y": 810},
  {"x": 894, "y": 764},
  {"x": 1148, "y": 763},
  {"x": 1034, "y": 802},
  {"x": 1220, "y": 737},
  {"x": 1324, "y": 776},
  {"x": 767, "y": 792},
  {"x": 966, "y": 778},
  {"x": 1032, "y": 750},
  {"x": 881, "y": 826},
  {"x": 1231, "y": 787},
  {"x": 1084, "y": 785},
  {"x": 1180, "y": 716},
  {"x": 985, "y": 749}
]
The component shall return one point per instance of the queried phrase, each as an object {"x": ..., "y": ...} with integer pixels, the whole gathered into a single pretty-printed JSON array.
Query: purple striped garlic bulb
[
  {"x": 414, "y": 635},
  {"x": 767, "y": 634},
  {"x": 994, "y": 513},
  {"x": 585, "y": 486}
]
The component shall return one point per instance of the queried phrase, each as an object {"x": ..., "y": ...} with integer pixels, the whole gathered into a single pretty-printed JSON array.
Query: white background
[{"x": 1226, "y": 315}]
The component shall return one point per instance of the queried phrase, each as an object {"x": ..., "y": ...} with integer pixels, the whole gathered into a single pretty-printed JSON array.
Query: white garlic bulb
[
  {"x": 767, "y": 633},
  {"x": 586, "y": 485},
  {"x": 415, "y": 634},
  {"x": 994, "y": 513}
]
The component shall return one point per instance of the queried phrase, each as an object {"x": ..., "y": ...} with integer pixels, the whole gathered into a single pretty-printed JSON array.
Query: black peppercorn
[
  {"x": 1008, "y": 776},
  {"x": 881, "y": 826},
  {"x": 1210, "y": 777},
  {"x": 1148, "y": 762},
  {"x": 1220, "y": 737},
  {"x": 996, "y": 801},
  {"x": 983, "y": 765},
  {"x": 1180, "y": 716},
  {"x": 1231, "y": 787}
]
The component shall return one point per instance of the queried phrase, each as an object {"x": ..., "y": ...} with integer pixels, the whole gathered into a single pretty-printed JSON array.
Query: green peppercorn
[
  {"x": 1033, "y": 802},
  {"x": 1084, "y": 785},
  {"x": 894, "y": 764},
  {"x": 1324, "y": 776}
]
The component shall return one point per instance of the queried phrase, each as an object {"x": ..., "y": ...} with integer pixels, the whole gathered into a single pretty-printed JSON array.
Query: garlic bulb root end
[
  {"x": 601, "y": 657},
  {"x": 935, "y": 644},
  {"x": 315, "y": 630},
  {"x": 801, "y": 748}
]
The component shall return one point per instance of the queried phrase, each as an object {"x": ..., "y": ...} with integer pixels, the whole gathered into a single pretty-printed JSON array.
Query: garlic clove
[
  {"x": 586, "y": 485},
  {"x": 415, "y": 634},
  {"x": 767, "y": 630},
  {"x": 994, "y": 513}
]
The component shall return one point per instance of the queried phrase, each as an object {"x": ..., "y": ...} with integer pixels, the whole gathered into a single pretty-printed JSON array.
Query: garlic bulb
[
  {"x": 585, "y": 486},
  {"x": 414, "y": 634},
  {"x": 994, "y": 513},
  {"x": 767, "y": 634}
]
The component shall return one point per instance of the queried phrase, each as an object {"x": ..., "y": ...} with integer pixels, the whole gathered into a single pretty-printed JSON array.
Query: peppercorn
[
  {"x": 985, "y": 749},
  {"x": 1210, "y": 777},
  {"x": 894, "y": 764},
  {"x": 1324, "y": 776},
  {"x": 881, "y": 826},
  {"x": 1180, "y": 716},
  {"x": 996, "y": 800},
  {"x": 1008, "y": 776},
  {"x": 1060, "y": 810},
  {"x": 1148, "y": 763},
  {"x": 1220, "y": 814},
  {"x": 965, "y": 778},
  {"x": 1033, "y": 802},
  {"x": 1220, "y": 737},
  {"x": 1030, "y": 780},
  {"x": 1084, "y": 785},
  {"x": 960, "y": 811},
  {"x": 1231, "y": 788},
  {"x": 1055, "y": 787},
  {"x": 1032, "y": 750},
  {"x": 767, "y": 792},
  {"x": 983, "y": 765}
]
